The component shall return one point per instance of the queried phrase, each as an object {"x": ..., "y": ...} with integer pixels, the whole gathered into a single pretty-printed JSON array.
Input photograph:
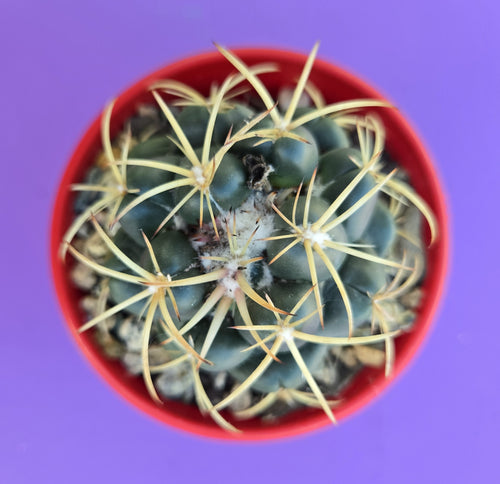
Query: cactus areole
[{"x": 249, "y": 244}]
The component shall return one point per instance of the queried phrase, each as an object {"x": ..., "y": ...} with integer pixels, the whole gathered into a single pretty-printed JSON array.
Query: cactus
[{"x": 250, "y": 245}]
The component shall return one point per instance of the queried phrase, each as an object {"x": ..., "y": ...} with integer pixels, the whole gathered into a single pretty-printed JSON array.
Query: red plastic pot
[{"x": 336, "y": 85}]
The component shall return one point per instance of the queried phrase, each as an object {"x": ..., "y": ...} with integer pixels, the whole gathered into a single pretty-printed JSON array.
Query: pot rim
[{"x": 301, "y": 421}]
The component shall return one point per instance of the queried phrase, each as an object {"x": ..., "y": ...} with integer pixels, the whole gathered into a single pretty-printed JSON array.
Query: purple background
[{"x": 62, "y": 60}]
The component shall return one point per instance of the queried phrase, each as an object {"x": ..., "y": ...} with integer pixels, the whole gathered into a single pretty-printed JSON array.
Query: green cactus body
[
  {"x": 293, "y": 160},
  {"x": 248, "y": 244},
  {"x": 326, "y": 132}
]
